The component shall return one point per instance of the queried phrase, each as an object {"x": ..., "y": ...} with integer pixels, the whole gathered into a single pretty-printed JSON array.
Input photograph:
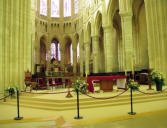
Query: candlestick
[
  {"x": 125, "y": 72},
  {"x": 86, "y": 74},
  {"x": 132, "y": 68}
]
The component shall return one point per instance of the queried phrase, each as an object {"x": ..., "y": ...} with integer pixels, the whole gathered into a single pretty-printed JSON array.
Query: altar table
[{"x": 103, "y": 79}]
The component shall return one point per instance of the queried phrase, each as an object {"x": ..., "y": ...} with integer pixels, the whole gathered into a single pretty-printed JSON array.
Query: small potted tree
[{"x": 158, "y": 80}]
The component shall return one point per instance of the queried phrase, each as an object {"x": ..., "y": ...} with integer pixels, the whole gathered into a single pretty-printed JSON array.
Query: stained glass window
[
  {"x": 67, "y": 8},
  {"x": 76, "y": 6},
  {"x": 43, "y": 7},
  {"x": 59, "y": 55},
  {"x": 71, "y": 54},
  {"x": 55, "y": 51},
  {"x": 55, "y": 8}
]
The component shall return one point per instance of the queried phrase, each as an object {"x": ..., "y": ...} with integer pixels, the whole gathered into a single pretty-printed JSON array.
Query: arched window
[
  {"x": 59, "y": 55},
  {"x": 55, "y": 8},
  {"x": 71, "y": 54},
  {"x": 76, "y": 6},
  {"x": 43, "y": 7},
  {"x": 67, "y": 8},
  {"x": 55, "y": 51}
]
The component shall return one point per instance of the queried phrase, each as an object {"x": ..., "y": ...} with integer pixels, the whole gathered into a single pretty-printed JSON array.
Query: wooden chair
[
  {"x": 68, "y": 83},
  {"x": 51, "y": 83},
  {"x": 58, "y": 82},
  {"x": 41, "y": 83}
]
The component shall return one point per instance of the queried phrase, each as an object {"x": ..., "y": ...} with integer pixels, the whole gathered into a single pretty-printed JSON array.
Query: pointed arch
[
  {"x": 112, "y": 7},
  {"x": 98, "y": 22}
]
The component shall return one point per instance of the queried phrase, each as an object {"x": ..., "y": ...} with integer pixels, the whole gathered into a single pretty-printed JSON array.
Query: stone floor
[{"x": 148, "y": 115}]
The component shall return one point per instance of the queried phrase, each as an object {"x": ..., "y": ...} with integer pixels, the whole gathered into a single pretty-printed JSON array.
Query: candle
[
  {"x": 132, "y": 68},
  {"x": 125, "y": 72},
  {"x": 86, "y": 74}
]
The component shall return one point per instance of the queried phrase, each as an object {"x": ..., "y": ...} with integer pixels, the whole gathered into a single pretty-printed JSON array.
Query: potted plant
[
  {"x": 133, "y": 85},
  {"x": 80, "y": 86},
  {"x": 157, "y": 79}
]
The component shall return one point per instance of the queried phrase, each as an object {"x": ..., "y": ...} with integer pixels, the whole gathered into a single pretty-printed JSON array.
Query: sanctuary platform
[{"x": 52, "y": 105}]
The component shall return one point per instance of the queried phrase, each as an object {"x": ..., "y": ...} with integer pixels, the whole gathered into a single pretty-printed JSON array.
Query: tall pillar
[
  {"x": 109, "y": 57},
  {"x": 95, "y": 42},
  {"x": 157, "y": 35},
  {"x": 33, "y": 11},
  {"x": 87, "y": 55},
  {"x": 6, "y": 43},
  {"x": 81, "y": 57},
  {"x": 16, "y": 43},
  {"x": 74, "y": 59},
  {"x": 126, "y": 21},
  {"x": 21, "y": 44},
  {"x": 1, "y": 46},
  {"x": 15, "y": 32},
  {"x": 37, "y": 50},
  {"x": 30, "y": 31},
  {"x": 62, "y": 52}
]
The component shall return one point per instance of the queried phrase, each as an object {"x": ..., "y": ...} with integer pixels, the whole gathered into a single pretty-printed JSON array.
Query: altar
[{"x": 106, "y": 82}]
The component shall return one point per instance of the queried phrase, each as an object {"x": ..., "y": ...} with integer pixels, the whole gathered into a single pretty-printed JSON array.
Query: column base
[
  {"x": 78, "y": 118},
  {"x": 18, "y": 118},
  {"x": 132, "y": 113}
]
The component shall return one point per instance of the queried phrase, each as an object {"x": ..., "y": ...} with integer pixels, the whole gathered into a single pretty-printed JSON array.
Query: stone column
[
  {"x": 6, "y": 43},
  {"x": 37, "y": 50},
  {"x": 81, "y": 52},
  {"x": 126, "y": 21},
  {"x": 74, "y": 56},
  {"x": 156, "y": 20},
  {"x": 87, "y": 55},
  {"x": 62, "y": 52},
  {"x": 1, "y": 47},
  {"x": 95, "y": 44},
  {"x": 16, "y": 43},
  {"x": 33, "y": 12},
  {"x": 21, "y": 44},
  {"x": 109, "y": 57},
  {"x": 74, "y": 60},
  {"x": 29, "y": 37}
]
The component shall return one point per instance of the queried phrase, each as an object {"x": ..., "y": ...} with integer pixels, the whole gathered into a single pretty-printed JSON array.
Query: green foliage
[
  {"x": 11, "y": 90},
  {"x": 157, "y": 78},
  {"x": 81, "y": 86},
  {"x": 134, "y": 85}
]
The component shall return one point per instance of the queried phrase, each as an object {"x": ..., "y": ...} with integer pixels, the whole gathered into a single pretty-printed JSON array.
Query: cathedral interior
[{"x": 75, "y": 39}]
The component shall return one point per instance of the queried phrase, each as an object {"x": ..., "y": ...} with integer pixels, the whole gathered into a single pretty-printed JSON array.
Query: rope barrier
[
  {"x": 152, "y": 93},
  {"x": 105, "y": 98},
  {"x": 49, "y": 93},
  {"x": 5, "y": 97}
]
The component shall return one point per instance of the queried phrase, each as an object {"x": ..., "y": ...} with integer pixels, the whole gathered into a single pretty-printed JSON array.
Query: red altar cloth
[{"x": 90, "y": 78}]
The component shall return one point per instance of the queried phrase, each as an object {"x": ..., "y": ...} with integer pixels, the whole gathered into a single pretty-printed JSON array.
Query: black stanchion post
[
  {"x": 78, "y": 117},
  {"x": 18, "y": 110},
  {"x": 131, "y": 97}
]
